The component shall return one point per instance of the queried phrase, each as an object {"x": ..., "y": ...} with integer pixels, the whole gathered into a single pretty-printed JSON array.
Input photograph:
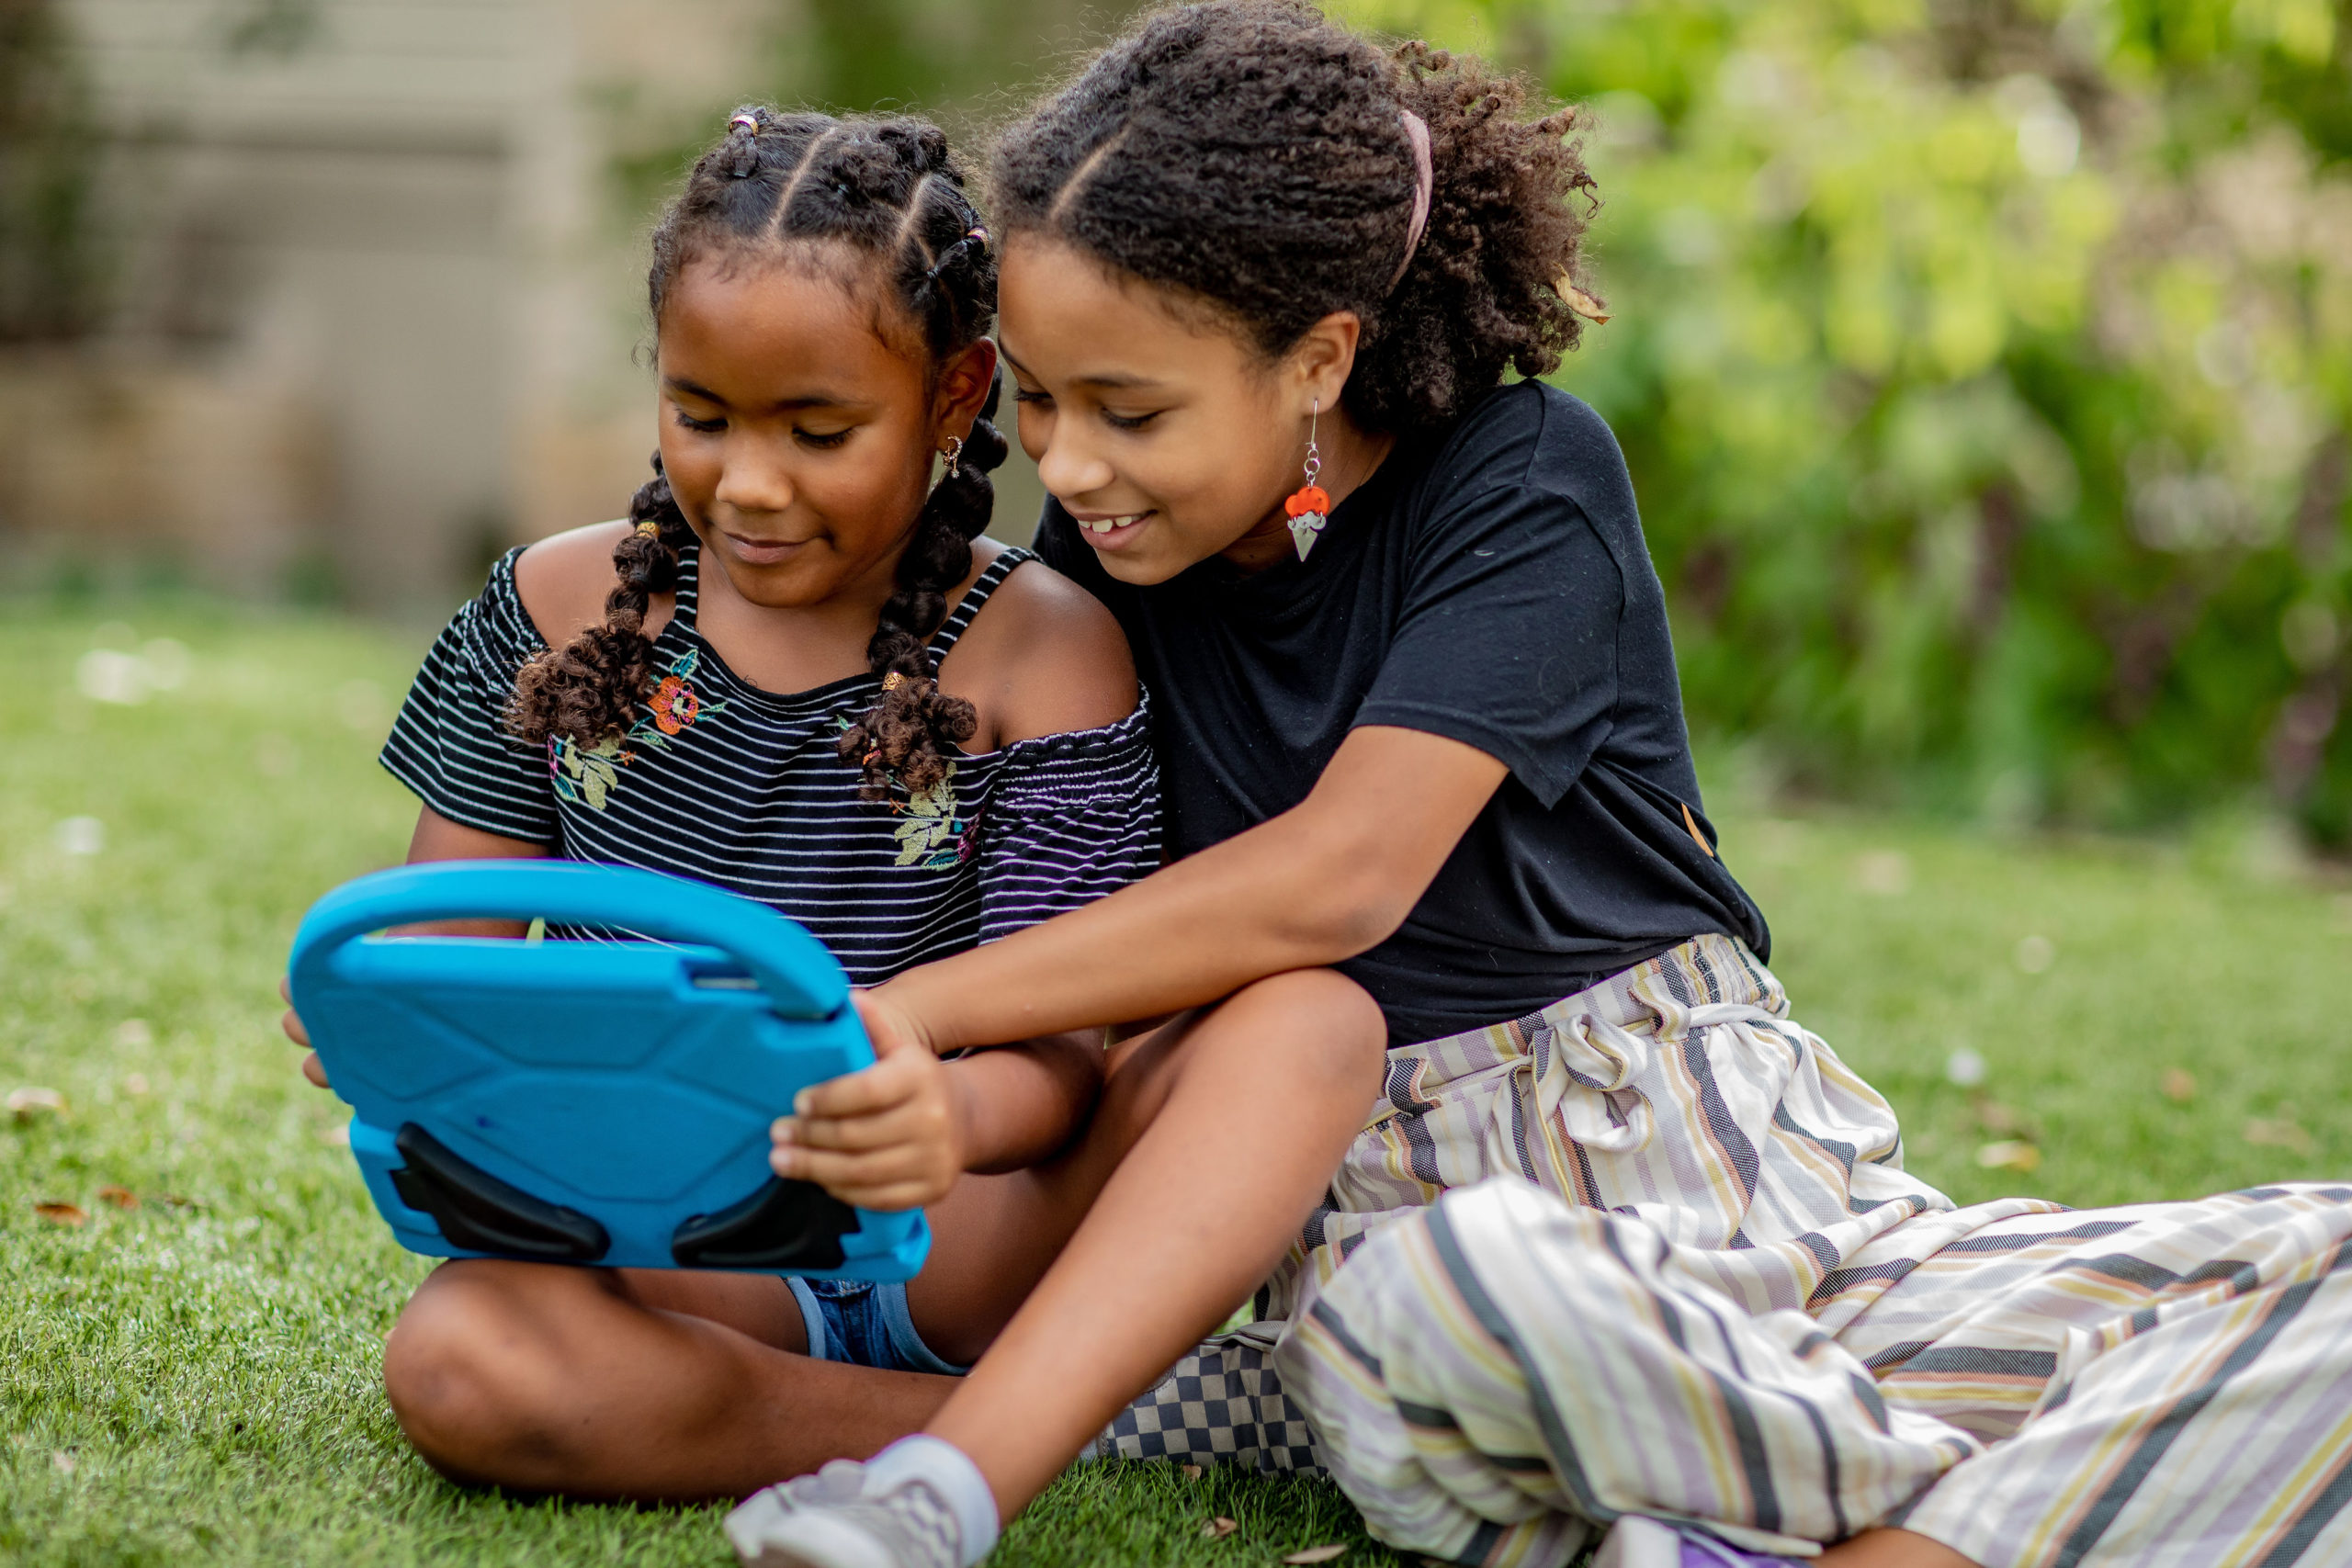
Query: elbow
[{"x": 1355, "y": 904}]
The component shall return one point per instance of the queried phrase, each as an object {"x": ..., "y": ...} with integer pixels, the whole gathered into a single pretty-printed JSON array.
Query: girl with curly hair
[{"x": 1612, "y": 1243}]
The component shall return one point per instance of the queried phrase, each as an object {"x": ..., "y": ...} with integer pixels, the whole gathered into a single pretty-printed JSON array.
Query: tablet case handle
[{"x": 800, "y": 978}]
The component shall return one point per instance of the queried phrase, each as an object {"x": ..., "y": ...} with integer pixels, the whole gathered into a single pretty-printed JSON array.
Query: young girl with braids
[
  {"x": 813, "y": 684},
  {"x": 1613, "y": 1244}
]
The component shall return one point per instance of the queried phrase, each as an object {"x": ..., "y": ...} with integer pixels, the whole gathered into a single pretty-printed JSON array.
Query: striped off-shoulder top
[{"x": 741, "y": 787}]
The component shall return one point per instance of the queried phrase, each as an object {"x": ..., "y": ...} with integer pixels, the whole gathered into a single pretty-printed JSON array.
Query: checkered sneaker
[{"x": 1220, "y": 1405}]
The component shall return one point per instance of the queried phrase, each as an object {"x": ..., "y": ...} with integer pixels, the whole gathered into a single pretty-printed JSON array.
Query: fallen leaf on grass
[
  {"x": 121, "y": 1197},
  {"x": 177, "y": 1201},
  {"x": 26, "y": 1102},
  {"x": 2283, "y": 1134},
  {"x": 1188, "y": 1471},
  {"x": 1315, "y": 1554},
  {"x": 2010, "y": 1153},
  {"x": 1218, "y": 1528},
  {"x": 59, "y": 1213},
  {"x": 62, "y": 1460},
  {"x": 2003, "y": 1121},
  {"x": 2179, "y": 1085}
]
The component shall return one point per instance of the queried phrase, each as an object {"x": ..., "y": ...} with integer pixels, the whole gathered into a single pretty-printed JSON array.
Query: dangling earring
[
  {"x": 955, "y": 450},
  {"x": 1308, "y": 508}
]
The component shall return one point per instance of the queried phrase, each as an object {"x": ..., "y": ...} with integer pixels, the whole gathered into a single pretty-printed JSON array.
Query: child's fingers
[
  {"x": 291, "y": 1022},
  {"x": 887, "y": 1082},
  {"x": 315, "y": 1070},
  {"x": 919, "y": 1121},
  {"x": 888, "y": 1178}
]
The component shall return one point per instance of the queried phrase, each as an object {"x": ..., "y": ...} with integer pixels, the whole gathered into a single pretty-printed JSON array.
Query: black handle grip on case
[
  {"x": 785, "y": 1224},
  {"x": 477, "y": 1211}
]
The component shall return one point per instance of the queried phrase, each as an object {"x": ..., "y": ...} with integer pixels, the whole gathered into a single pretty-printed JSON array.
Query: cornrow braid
[
  {"x": 888, "y": 190},
  {"x": 1252, "y": 154}
]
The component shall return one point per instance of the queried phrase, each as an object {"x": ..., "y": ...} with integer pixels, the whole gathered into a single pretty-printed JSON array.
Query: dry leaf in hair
[
  {"x": 1315, "y": 1554},
  {"x": 1218, "y": 1528},
  {"x": 58, "y": 1213},
  {"x": 121, "y": 1197},
  {"x": 1583, "y": 304}
]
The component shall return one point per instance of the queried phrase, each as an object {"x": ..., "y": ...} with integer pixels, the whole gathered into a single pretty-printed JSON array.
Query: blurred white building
[{"x": 377, "y": 300}]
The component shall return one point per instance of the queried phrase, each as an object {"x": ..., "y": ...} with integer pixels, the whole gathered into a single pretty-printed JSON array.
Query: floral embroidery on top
[
  {"x": 934, "y": 834},
  {"x": 588, "y": 775}
]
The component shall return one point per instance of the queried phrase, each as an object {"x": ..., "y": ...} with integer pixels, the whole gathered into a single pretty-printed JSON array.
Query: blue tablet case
[{"x": 586, "y": 1101}]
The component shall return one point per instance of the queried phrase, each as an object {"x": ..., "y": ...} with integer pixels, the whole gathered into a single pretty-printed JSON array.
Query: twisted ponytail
[
  {"x": 591, "y": 687},
  {"x": 909, "y": 735}
]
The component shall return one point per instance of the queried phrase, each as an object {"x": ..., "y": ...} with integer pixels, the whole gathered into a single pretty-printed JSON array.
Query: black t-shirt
[{"x": 1493, "y": 588}]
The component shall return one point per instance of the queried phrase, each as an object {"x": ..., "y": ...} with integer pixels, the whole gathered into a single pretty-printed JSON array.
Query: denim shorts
[{"x": 867, "y": 1326}]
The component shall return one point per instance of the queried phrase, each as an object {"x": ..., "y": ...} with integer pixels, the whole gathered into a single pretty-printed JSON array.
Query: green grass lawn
[{"x": 194, "y": 1377}]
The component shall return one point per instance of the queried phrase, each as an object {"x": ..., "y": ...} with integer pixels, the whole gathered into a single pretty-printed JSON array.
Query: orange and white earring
[{"x": 1309, "y": 507}]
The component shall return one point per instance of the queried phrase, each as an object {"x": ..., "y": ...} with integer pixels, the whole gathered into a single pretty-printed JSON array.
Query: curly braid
[
  {"x": 1250, "y": 154},
  {"x": 888, "y": 191}
]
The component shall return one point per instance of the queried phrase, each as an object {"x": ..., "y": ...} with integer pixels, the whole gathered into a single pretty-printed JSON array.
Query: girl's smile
[
  {"x": 797, "y": 440},
  {"x": 1166, "y": 434}
]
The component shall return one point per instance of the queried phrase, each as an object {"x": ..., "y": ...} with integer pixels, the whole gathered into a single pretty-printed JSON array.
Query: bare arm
[{"x": 1330, "y": 877}]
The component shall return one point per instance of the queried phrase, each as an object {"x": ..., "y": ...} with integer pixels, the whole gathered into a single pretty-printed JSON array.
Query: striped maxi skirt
[{"x": 1651, "y": 1252}]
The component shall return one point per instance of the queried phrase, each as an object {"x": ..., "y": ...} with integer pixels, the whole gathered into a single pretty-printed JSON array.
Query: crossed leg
[{"x": 1082, "y": 1279}]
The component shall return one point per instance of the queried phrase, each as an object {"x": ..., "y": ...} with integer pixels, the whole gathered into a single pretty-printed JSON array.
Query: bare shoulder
[
  {"x": 563, "y": 580},
  {"x": 1043, "y": 657}
]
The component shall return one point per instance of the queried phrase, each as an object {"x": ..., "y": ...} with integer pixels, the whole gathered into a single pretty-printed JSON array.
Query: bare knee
[
  {"x": 476, "y": 1378},
  {"x": 1314, "y": 1031},
  {"x": 1316, "y": 1025}
]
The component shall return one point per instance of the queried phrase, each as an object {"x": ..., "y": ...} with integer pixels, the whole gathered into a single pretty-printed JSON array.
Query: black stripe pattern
[{"x": 739, "y": 788}]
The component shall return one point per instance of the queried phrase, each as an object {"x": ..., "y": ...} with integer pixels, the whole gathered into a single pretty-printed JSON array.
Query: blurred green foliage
[
  {"x": 968, "y": 66},
  {"x": 1985, "y": 368}
]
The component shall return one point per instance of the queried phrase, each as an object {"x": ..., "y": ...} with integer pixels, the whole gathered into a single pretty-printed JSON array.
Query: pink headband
[{"x": 1417, "y": 131}]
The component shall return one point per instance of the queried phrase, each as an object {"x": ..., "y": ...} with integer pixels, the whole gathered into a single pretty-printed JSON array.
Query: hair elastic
[
  {"x": 648, "y": 529},
  {"x": 975, "y": 236},
  {"x": 1417, "y": 131},
  {"x": 749, "y": 122}
]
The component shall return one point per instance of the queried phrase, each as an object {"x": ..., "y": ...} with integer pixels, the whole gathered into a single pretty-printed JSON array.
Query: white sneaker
[{"x": 829, "y": 1521}]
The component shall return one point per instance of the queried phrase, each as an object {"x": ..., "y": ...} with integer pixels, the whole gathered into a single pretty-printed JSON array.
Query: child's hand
[
  {"x": 890, "y": 1137},
  {"x": 312, "y": 1068}
]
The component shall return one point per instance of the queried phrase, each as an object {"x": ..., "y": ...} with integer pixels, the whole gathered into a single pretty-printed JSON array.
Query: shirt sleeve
[
  {"x": 1508, "y": 637},
  {"x": 450, "y": 743},
  {"x": 1073, "y": 817}
]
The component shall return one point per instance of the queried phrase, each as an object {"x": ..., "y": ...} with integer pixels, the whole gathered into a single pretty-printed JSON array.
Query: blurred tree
[
  {"x": 1985, "y": 367},
  {"x": 968, "y": 66},
  {"x": 50, "y": 271}
]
